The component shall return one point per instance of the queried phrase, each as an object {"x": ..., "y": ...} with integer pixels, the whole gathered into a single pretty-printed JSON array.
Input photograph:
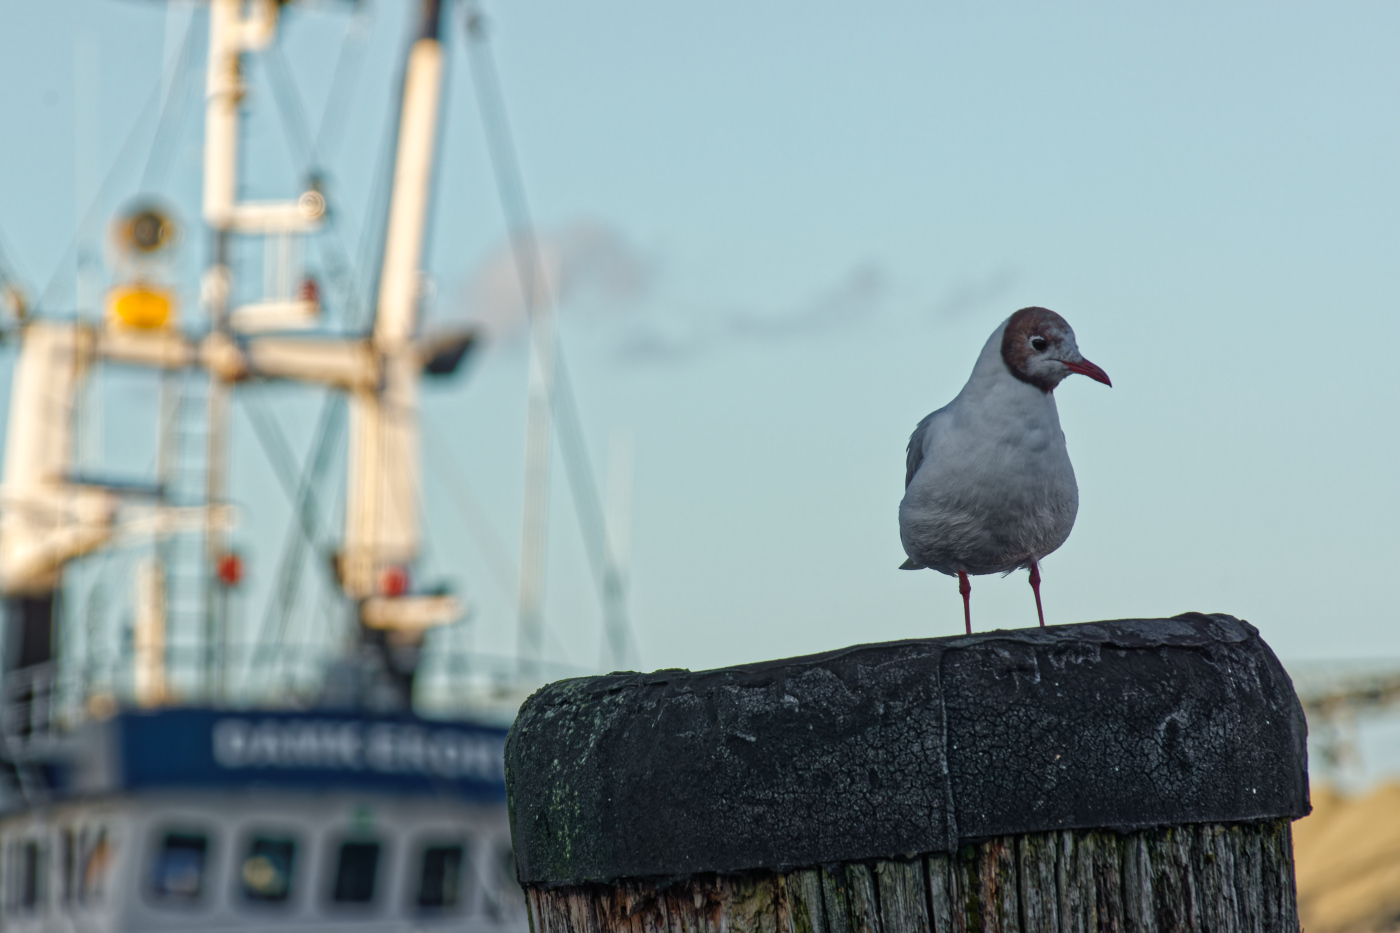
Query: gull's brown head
[{"x": 1038, "y": 347}]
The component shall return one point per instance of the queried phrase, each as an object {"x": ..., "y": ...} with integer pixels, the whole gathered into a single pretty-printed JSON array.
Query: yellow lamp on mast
[
  {"x": 143, "y": 237},
  {"x": 141, "y": 305}
]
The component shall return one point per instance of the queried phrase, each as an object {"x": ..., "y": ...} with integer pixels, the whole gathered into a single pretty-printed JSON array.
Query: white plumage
[{"x": 989, "y": 487}]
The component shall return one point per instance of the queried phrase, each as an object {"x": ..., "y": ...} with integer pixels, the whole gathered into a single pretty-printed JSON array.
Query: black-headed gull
[{"x": 988, "y": 486}]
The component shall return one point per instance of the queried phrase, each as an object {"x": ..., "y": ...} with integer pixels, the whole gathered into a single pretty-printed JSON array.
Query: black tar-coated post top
[{"x": 907, "y": 747}]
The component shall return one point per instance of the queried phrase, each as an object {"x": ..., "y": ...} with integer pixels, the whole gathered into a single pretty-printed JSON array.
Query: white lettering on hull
[{"x": 385, "y": 748}]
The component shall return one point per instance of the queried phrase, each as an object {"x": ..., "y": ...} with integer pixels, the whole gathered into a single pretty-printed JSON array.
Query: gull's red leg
[
  {"x": 965, "y": 588},
  {"x": 1035, "y": 585}
]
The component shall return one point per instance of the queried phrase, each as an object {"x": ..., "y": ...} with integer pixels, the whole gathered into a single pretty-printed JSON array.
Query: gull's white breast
[{"x": 994, "y": 489}]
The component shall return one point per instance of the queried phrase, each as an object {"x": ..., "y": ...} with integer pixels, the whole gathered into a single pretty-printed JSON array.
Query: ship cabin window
[
  {"x": 440, "y": 881},
  {"x": 67, "y": 864},
  {"x": 266, "y": 873},
  {"x": 355, "y": 869},
  {"x": 29, "y": 874},
  {"x": 177, "y": 872},
  {"x": 25, "y": 874}
]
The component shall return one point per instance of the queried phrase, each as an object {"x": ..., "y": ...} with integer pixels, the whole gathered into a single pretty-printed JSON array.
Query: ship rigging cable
[
  {"x": 289, "y": 106},
  {"x": 276, "y": 622},
  {"x": 525, "y": 248},
  {"x": 291, "y": 567},
  {"x": 303, "y": 535},
  {"x": 345, "y": 79},
  {"x": 156, "y": 102},
  {"x": 292, "y": 111},
  {"x": 178, "y": 92}
]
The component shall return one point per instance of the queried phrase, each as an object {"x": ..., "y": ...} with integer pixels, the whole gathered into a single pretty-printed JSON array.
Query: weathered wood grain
[
  {"x": 749, "y": 905},
  {"x": 942, "y": 893},
  {"x": 1108, "y": 882},
  {"x": 579, "y": 911},
  {"x": 551, "y": 914},
  {"x": 1280, "y": 895},
  {"x": 864, "y": 901},
  {"x": 1037, "y": 866},
  {"x": 698, "y": 904},
  {"x": 967, "y": 891},
  {"x": 903, "y": 896},
  {"x": 1075, "y": 882},
  {"x": 1000, "y": 886},
  {"x": 836, "y": 900},
  {"x": 609, "y": 904},
  {"x": 1171, "y": 901},
  {"x": 1136, "y": 863},
  {"x": 535, "y": 908},
  {"x": 1235, "y": 878},
  {"x": 801, "y": 906},
  {"x": 654, "y": 914},
  {"x": 1249, "y": 881},
  {"x": 1215, "y": 866}
]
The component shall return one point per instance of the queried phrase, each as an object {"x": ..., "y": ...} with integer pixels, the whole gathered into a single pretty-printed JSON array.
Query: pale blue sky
[{"x": 826, "y": 210}]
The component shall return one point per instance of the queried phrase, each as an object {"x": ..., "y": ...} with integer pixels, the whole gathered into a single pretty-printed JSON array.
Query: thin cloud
[
  {"x": 968, "y": 295},
  {"x": 856, "y": 297},
  {"x": 652, "y": 345},
  {"x": 584, "y": 265}
]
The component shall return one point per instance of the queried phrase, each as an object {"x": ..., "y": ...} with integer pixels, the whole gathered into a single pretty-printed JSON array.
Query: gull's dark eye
[{"x": 1038, "y": 344}]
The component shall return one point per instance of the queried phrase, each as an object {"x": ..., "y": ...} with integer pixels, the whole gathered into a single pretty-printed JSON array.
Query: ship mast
[
  {"x": 381, "y": 517},
  {"x": 381, "y": 524},
  {"x": 49, "y": 518},
  {"x": 235, "y": 28},
  {"x": 380, "y": 373}
]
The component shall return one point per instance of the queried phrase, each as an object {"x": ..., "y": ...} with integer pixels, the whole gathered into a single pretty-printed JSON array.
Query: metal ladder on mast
[{"x": 194, "y": 650}]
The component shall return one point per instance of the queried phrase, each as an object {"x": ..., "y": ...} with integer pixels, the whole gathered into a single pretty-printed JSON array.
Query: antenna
[
  {"x": 535, "y": 518},
  {"x": 552, "y": 400},
  {"x": 618, "y": 653}
]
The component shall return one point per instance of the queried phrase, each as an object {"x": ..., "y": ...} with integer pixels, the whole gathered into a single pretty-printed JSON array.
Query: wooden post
[{"x": 1137, "y": 775}]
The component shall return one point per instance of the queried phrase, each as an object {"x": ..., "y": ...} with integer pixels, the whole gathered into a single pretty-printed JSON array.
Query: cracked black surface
[{"x": 900, "y": 748}]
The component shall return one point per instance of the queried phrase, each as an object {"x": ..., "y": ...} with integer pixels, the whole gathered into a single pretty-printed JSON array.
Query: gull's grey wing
[{"x": 914, "y": 453}]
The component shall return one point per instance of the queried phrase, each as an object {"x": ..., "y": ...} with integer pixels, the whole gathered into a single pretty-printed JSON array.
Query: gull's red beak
[{"x": 1085, "y": 368}]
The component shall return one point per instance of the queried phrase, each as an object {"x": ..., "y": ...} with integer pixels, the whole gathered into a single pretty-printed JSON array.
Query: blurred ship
[{"x": 145, "y": 792}]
